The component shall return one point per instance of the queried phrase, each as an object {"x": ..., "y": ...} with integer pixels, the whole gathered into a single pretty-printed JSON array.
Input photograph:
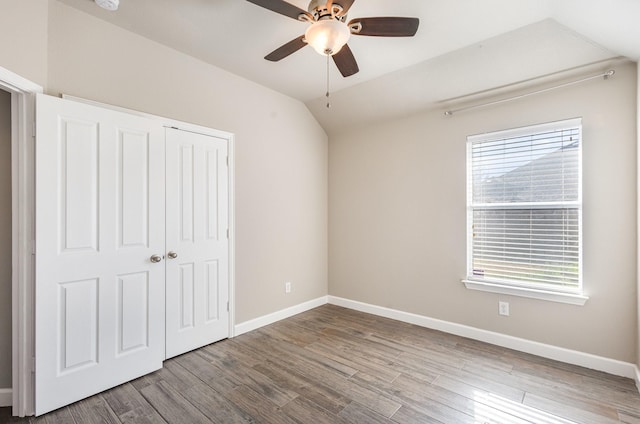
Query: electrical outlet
[
  {"x": 503, "y": 308},
  {"x": 287, "y": 287}
]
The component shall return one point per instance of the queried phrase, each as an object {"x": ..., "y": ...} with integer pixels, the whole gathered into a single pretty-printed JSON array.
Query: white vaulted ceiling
[{"x": 462, "y": 47}]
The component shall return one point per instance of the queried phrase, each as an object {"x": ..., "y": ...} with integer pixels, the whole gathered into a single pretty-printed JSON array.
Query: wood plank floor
[{"x": 334, "y": 365}]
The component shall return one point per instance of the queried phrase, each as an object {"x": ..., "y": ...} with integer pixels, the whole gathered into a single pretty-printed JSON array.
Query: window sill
[{"x": 570, "y": 298}]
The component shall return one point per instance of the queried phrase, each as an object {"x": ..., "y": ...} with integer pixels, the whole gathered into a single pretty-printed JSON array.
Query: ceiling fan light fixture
[{"x": 327, "y": 36}]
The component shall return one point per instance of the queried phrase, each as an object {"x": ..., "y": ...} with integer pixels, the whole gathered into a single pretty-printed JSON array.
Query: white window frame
[{"x": 573, "y": 296}]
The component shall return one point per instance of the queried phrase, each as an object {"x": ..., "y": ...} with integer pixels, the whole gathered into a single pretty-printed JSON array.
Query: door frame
[
  {"x": 230, "y": 137},
  {"x": 23, "y": 132},
  {"x": 23, "y": 94}
]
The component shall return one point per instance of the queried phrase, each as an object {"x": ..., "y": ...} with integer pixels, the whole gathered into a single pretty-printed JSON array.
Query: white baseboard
[
  {"x": 6, "y": 397},
  {"x": 587, "y": 360},
  {"x": 256, "y": 323},
  {"x": 569, "y": 356}
]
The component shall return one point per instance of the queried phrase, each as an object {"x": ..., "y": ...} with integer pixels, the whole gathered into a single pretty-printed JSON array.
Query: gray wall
[
  {"x": 23, "y": 40},
  {"x": 23, "y": 50},
  {"x": 397, "y": 189},
  {"x": 5, "y": 239},
  {"x": 281, "y": 150},
  {"x": 397, "y": 218}
]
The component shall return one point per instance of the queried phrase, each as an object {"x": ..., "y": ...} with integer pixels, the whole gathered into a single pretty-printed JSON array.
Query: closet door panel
[
  {"x": 78, "y": 174},
  {"x": 133, "y": 189},
  {"x": 100, "y": 212},
  {"x": 132, "y": 330},
  {"x": 197, "y": 222}
]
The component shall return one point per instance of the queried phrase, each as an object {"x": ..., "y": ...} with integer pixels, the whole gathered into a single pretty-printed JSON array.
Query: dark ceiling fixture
[{"x": 329, "y": 31}]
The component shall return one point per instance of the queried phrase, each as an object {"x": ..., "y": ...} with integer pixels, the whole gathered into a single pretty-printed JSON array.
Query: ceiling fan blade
[
  {"x": 283, "y": 8},
  {"x": 286, "y": 49},
  {"x": 385, "y": 27},
  {"x": 346, "y": 62},
  {"x": 346, "y": 5}
]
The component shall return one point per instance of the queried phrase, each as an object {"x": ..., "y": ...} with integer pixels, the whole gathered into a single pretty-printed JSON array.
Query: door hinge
[
  {"x": 227, "y": 306},
  {"x": 227, "y": 233},
  {"x": 227, "y": 160},
  {"x": 33, "y": 365},
  {"x": 33, "y": 134}
]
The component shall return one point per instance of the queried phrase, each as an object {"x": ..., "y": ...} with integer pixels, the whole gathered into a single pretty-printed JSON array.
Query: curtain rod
[{"x": 605, "y": 75}]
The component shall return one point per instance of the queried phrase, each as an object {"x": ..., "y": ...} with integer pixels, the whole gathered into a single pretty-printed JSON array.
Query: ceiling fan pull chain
[{"x": 328, "y": 101}]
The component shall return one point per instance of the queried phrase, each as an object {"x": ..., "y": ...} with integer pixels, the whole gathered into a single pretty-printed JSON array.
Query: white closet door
[
  {"x": 197, "y": 223},
  {"x": 100, "y": 213}
]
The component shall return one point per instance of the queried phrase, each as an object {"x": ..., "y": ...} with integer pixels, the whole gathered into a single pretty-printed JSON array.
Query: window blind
[{"x": 524, "y": 206}]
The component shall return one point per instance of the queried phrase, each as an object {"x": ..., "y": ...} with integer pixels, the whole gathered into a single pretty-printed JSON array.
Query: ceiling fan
[{"x": 329, "y": 31}]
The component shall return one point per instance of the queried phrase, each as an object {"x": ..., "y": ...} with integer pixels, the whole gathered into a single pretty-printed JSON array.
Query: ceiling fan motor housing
[
  {"x": 319, "y": 10},
  {"x": 316, "y": 5}
]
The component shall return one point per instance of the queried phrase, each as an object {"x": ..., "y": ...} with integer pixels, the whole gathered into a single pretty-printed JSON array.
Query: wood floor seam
[{"x": 336, "y": 365}]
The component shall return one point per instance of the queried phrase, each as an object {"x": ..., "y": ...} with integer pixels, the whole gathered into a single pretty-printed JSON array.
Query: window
[{"x": 524, "y": 208}]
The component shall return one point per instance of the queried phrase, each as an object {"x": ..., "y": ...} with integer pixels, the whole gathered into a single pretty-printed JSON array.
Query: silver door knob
[
  {"x": 155, "y": 258},
  {"x": 172, "y": 255}
]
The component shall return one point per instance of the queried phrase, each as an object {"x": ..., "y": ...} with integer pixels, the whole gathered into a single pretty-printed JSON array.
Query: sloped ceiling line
[{"x": 462, "y": 47}]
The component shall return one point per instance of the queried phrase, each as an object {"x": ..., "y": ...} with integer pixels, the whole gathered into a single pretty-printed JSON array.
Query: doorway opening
[
  {"x": 5, "y": 248},
  {"x": 21, "y": 93}
]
